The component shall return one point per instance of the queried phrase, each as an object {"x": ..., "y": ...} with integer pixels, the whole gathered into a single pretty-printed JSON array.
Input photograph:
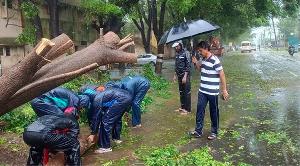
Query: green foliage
[
  {"x": 30, "y": 10},
  {"x": 171, "y": 156},
  {"x": 122, "y": 162},
  {"x": 3, "y": 141},
  {"x": 158, "y": 83},
  {"x": 19, "y": 118},
  {"x": 272, "y": 137},
  {"x": 75, "y": 84},
  {"x": 146, "y": 101},
  {"x": 27, "y": 36},
  {"x": 95, "y": 8}
]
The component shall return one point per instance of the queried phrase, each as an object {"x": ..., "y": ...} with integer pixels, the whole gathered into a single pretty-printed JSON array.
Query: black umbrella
[{"x": 186, "y": 30}]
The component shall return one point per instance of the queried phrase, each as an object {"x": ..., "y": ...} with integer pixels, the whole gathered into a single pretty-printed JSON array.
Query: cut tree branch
[{"x": 39, "y": 87}]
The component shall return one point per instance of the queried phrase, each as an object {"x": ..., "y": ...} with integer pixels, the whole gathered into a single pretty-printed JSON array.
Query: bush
[
  {"x": 170, "y": 155},
  {"x": 18, "y": 119},
  {"x": 75, "y": 84},
  {"x": 160, "y": 85}
]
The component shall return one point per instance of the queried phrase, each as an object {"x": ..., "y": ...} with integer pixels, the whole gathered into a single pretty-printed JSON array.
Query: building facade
[{"x": 11, "y": 23}]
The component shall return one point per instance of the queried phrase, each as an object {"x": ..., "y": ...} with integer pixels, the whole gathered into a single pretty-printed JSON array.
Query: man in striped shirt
[{"x": 211, "y": 75}]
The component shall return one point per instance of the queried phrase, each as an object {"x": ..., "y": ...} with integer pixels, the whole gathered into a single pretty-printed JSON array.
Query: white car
[
  {"x": 246, "y": 46},
  {"x": 146, "y": 59}
]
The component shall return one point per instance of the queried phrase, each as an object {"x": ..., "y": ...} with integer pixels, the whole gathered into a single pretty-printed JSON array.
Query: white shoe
[
  {"x": 103, "y": 150},
  {"x": 117, "y": 141},
  {"x": 137, "y": 126}
]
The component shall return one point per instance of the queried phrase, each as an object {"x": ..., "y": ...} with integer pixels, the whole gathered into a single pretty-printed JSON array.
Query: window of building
[
  {"x": 7, "y": 50},
  {"x": 1, "y": 51},
  {"x": 9, "y": 3}
]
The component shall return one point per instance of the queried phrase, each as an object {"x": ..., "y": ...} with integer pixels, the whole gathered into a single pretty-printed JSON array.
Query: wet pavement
[{"x": 262, "y": 127}]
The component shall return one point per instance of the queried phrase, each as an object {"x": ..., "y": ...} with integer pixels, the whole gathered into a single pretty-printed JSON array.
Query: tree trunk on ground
[
  {"x": 29, "y": 78},
  {"x": 54, "y": 18}
]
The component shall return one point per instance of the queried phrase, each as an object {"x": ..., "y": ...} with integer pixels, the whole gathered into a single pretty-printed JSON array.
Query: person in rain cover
[
  {"x": 182, "y": 74},
  {"x": 137, "y": 86},
  {"x": 59, "y": 100},
  {"x": 105, "y": 114},
  {"x": 212, "y": 75},
  {"x": 52, "y": 133}
]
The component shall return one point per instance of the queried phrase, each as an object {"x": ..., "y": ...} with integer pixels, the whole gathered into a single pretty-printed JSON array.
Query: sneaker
[
  {"x": 184, "y": 112},
  {"x": 178, "y": 110},
  {"x": 117, "y": 141},
  {"x": 212, "y": 136},
  {"x": 137, "y": 126},
  {"x": 195, "y": 134},
  {"x": 103, "y": 150}
]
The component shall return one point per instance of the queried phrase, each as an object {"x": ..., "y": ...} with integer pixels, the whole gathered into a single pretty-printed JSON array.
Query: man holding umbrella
[
  {"x": 182, "y": 73},
  {"x": 212, "y": 76}
]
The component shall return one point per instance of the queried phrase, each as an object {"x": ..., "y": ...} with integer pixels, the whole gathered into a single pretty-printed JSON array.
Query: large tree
[
  {"x": 53, "y": 9},
  {"x": 106, "y": 14},
  {"x": 234, "y": 17}
]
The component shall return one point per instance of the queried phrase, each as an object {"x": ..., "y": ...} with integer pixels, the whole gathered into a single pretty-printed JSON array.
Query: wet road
[{"x": 259, "y": 125}]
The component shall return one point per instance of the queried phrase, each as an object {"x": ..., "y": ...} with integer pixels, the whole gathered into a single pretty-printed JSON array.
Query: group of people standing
[
  {"x": 57, "y": 128},
  {"x": 212, "y": 75}
]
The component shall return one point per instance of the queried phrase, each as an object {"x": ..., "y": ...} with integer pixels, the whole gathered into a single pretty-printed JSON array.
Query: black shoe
[{"x": 195, "y": 134}]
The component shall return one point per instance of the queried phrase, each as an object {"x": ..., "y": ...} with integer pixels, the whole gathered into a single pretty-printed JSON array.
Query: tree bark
[
  {"x": 30, "y": 78},
  {"x": 146, "y": 34},
  {"x": 42, "y": 86},
  {"x": 20, "y": 74},
  {"x": 38, "y": 27},
  {"x": 62, "y": 44}
]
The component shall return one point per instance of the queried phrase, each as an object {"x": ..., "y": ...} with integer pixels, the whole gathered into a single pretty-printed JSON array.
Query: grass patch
[
  {"x": 121, "y": 162},
  {"x": 18, "y": 119},
  {"x": 272, "y": 137},
  {"x": 169, "y": 155},
  {"x": 160, "y": 86}
]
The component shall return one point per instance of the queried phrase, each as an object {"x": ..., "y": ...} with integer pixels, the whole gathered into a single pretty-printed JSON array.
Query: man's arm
[
  {"x": 196, "y": 63},
  {"x": 223, "y": 85}
]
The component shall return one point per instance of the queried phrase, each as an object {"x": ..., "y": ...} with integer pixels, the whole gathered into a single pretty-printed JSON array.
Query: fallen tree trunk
[
  {"x": 21, "y": 73},
  {"x": 35, "y": 75},
  {"x": 97, "y": 52}
]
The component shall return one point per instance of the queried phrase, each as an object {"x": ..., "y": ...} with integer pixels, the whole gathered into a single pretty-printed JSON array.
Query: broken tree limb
[
  {"x": 126, "y": 39},
  {"x": 21, "y": 73},
  {"x": 125, "y": 46},
  {"x": 94, "y": 53},
  {"x": 37, "y": 88},
  {"x": 33, "y": 81},
  {"x": 62, "y": 44}
]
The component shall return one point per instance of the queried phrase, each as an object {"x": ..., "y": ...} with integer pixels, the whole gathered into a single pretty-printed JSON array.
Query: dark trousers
[
  {"x": 117, "y": 129},
  {"x": 213, "y": 109},
  {"x": 112, "y": 119},
  {"x": 42, "y": 107},
  {"x": 136, "y": 108},
  {"x": 185, "y": 93},
  {"x": 54, "y": 142}
]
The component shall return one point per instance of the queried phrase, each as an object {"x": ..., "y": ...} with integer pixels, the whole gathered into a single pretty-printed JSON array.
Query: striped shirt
[{"x": 210, "y": 77}]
